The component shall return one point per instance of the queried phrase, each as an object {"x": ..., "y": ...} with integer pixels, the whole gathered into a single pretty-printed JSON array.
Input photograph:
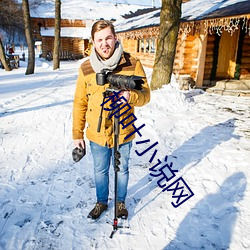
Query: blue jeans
[{"x": 102, "y": 158}]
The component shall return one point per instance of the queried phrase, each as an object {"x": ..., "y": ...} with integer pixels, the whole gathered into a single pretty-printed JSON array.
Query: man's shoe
[
  {"x": 122, "y": 211},
  {"x": 97, "y": 210}
]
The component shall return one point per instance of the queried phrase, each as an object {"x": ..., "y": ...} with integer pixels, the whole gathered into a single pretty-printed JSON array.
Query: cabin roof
[
  {"x": 77, "y": 32},
  {"x": 193, "y": 10},
  {"x": 85, "y": 10},
  {"x": 208, "y": 9},
  {"x": 140, "y": 21}
]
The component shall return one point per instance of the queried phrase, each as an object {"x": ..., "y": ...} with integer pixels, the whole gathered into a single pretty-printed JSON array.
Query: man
[{"x": 107, "y": 54}]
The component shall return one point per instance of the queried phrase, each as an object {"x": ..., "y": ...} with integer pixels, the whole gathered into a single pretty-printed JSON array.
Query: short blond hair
[{"x": 100, "y": 25}]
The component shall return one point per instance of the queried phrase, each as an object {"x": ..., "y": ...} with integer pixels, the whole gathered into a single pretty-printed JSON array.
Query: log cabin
[
  {"x": 77, "y": 19},
  {"x": 213, "y": 41},
  {"x": 74, "y": 37}
]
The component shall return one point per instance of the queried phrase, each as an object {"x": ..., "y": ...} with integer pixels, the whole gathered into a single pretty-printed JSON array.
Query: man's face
[{"x": 104, "y": 42}]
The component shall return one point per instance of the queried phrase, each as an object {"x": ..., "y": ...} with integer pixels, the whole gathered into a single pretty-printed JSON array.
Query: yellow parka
[{"x": 89, "y": 98}]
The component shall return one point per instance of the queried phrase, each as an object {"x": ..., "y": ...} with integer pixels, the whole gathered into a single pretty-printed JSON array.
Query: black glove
[{"x": 78, "y": 153}]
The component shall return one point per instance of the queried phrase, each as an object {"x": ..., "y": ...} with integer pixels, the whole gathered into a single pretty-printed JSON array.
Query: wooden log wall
[
  {"x": 190, "y": 56},
  {"x": 47, "y": 45},
  {"x": 245, "y": 60},
  {"x": 50, "y": 22},
  {"x": 178, "y": 61},
  {"x": 73, "y": 45},
  {"x": 66, "y": 44},
  {"x": 186, "y": 55},
  {"x": 131, "y": 46},
  {"x": 79, "y": 46},
  {"x": 209, "y": 57},
  {"x": 146, "y": 59},
  {"x": 185, "y": 59}
]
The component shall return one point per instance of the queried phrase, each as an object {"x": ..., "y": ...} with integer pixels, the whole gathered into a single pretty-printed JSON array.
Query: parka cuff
[{"x": 77, "y": 135}]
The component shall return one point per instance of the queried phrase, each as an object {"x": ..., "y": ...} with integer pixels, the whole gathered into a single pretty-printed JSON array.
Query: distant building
[
  {"x": 77, "y": 19},
  {"x": 74, "y": 36}
]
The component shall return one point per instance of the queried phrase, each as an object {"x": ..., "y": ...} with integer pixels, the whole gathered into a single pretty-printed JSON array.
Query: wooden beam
[{"x": 201, "y": 60}]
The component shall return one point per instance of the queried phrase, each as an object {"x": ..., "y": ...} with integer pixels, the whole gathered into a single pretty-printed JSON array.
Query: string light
[{"x": 218, "y": 25}]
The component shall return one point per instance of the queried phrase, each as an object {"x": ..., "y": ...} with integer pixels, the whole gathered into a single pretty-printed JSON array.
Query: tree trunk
[
  {"x": 3, "y": 57},
  {"x": 168, "y": 34},
  {"x": 56, "y": 59},
  {"x": 28, "y": 33}
]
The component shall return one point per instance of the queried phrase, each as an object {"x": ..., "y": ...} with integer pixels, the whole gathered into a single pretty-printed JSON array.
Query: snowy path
[{"x": 45, "y": 197}]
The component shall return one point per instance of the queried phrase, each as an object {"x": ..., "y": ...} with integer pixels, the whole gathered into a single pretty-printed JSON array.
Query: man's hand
[
  {"x": 125, "y": 94},
  {"x": 79, "y": 143}
]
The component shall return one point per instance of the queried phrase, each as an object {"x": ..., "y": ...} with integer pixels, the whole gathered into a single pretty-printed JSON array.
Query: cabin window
[
  {"x": 140, "y": 45},
  {"x": 152, "y": 45},
  {"x": 146, "y": 45}
]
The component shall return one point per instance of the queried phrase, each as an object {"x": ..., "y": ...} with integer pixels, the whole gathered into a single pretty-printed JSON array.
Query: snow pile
[{"x": 45, "y": 197}]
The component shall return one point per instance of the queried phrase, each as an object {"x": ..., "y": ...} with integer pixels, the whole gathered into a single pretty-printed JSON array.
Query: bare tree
[
  {"x": 28, "y": 33},
  {"x": 3, "y": 57},
  {"x": 56, "y": 59},
  {"x": 11, "y": 24},
  {"x": 36, "y": 3},
  {"x": 168, "y": 34},
  {"x": 11, "y": 17}
]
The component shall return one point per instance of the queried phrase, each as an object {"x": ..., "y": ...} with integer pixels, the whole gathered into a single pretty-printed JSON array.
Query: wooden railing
[{"x": 64, "y": 55}]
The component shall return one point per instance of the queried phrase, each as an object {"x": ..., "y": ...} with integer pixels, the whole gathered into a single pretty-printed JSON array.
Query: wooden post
[
  {"x": 140, "y": 42},
  {"x": 144, "y": 45},
  {"x": 201, "y": 60}
]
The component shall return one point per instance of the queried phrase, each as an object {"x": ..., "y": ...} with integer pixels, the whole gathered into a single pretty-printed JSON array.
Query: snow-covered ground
[{"x": 45, "y": 197}]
